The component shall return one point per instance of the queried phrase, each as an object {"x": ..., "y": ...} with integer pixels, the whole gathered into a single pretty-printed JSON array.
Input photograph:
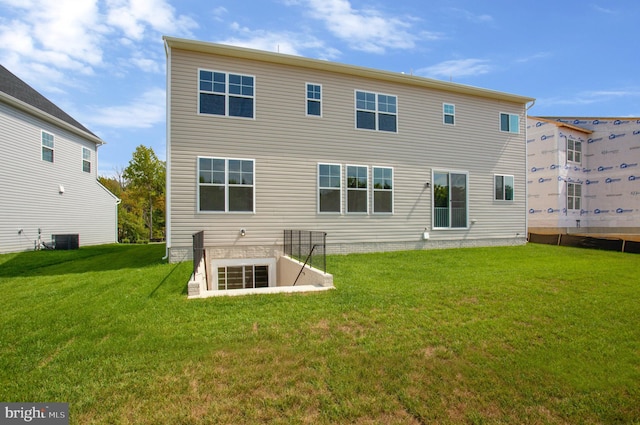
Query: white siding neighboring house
[
  {"x": 48, "y": 173},
  {"x": 584, "y": 175},
  {"x": 379, "y": 160}
]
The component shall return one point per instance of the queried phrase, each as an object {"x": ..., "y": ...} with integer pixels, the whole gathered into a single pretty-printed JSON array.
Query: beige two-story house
[{"x": 260, "y": 142}]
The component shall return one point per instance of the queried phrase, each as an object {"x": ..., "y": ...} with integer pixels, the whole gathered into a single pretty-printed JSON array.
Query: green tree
[{"x": 144, "y": 183}]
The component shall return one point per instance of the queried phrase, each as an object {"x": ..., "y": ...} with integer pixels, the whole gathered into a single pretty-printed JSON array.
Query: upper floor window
[
  {"x": 314, "y": 99},
  {"x": 329, "y": 188},
  {"x": 47, "y": 147},
  {"x": 510, "y": 123},
  {"x": 86, "y": 160},
  {"x": 226, "y": 94},
  {"x": 382, "y": 190},
  {"x": 448, "y": 113},
  {"x": 376, "y": 111},
  {"x": 357, "y": 190},
  {"x": 574, "y": 196},
  {"x": 503, "y": 188},
  {"x": 574, "y": 151},
  {"x": 225, "y": 185}
]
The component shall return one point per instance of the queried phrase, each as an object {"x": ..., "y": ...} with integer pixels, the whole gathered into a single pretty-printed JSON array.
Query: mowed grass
[{"x": 530, "y": 335}]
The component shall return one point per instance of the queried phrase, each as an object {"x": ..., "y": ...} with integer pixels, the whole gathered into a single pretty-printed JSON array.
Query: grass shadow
[{"x": 83, "y": 260}]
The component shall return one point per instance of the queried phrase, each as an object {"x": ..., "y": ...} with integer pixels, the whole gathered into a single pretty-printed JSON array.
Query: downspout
[
  {"x": 168, "y": 154},
  {"x": 526, "y": 165}
]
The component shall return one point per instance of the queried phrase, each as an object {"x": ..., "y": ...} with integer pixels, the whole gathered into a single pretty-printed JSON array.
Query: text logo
[
  {"x": 622, "y": 211},
  {"x": 601, "y": 168},
  {"x": 36, "y": 413},
  {"x": 599, "y": 211},
  {"x": 592, "y": 182},
  {"x": 616, "y": 136},
  {"x": 625, "y": 165},
  {"x": 594, "y": 140}
]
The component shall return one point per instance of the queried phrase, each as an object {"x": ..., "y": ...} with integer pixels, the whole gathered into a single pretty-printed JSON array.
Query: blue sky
[{"x": 103, "y": 61}]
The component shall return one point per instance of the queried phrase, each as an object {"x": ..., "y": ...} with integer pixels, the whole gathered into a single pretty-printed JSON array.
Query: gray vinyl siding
[
  {"x": 30, "y": 198},
  {"x": 287, "y": 145}
]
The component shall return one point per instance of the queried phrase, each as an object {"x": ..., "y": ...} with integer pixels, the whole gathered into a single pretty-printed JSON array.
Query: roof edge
[
  {"x": 561, "y": 124},
  {"x": 300, "y": 61},
  {"x": 25, "y": 107}
]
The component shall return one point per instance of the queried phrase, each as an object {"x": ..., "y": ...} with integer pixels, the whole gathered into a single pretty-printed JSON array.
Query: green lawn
[{"x": 527, "y": 335}]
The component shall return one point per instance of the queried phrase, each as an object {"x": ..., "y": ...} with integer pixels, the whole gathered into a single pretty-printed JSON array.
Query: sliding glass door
[{"x": 449, "y": 200}]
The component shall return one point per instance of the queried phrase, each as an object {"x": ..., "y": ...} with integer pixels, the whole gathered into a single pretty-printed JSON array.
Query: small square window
[
  {"x": 503, "y": 188},
  {"x": 510, "y": 123},
  {"x": 314, "y": 99},
  {"x": 448, "y": 113}
]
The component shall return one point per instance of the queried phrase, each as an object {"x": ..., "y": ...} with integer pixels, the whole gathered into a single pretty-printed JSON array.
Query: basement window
[{"x": 244, "y": 273}]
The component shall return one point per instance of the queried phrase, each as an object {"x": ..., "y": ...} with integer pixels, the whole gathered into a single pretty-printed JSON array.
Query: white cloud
[
  {"x": 65, "y": 34},
  {"x": 456, "y": 68},
  {"x": 367, "y": 29},
  {"x": 74, "y": 36},
  {"x": 473, "y": 17},
  {"x": 592, "y": 96},
  {"x": 534, "y": 57},
  {"x": 281, "y": 42},
  {"x": 134, "y": 17},
  {"x": 143, "y": 112}
]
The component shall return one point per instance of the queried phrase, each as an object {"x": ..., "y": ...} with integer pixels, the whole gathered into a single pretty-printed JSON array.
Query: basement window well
[{"x": 244, "y": 273}]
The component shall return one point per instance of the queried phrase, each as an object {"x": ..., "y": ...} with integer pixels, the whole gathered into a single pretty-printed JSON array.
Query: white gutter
[
  {"x": 168, "y": 153},
  {"x": 526, "y": 173}
]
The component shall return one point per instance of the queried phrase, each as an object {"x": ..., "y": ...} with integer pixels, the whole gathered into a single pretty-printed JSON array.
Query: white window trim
[
  {"x": 377, "y": 112},
  {"x": 318, "y": 188},
  {"x": 445, "y": 114},
  {"x": 573, "y": 161},
  {"x": 226, "y": 94},
  {"x": 374, "y": 190},
  {"x": 226, "y": 186},
  {"x": 510, "y": 115},
  {"x": 347, "y": 189},
  {"x": 269, "y": 262},
  {"x": 504, "y": 192},
  {"x": 87, "y": 160},
  {"x": 53, "y": 148},
  {"x": 574, "y": 197},
  {"x": 444, "y": 170},
  {"x": 306, "y": 99}
]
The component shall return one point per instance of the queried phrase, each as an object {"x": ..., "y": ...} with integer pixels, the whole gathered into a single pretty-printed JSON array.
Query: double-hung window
[
  {"x": 450, "y": 200},
  {"x": 226, "y": 94},
  {"x": 225, "y": 185},
  {"x": 503, "y": 187},
  {"x": 510, "y": 123},
  {"x": 47, "y": 147},
  {"x": 574, "y": 196},
  {"x": 357, "y": 189},
  {"x": 329, "y": 188},
  {"x": 376, "y": 111},
  {"x": 314, "y": 99},
  {"x": 86, "y": 160},
  {"x": 574, "y": 151},
  {"x": 382, "y": 190},
  {"x": 448, "y": 113}
]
